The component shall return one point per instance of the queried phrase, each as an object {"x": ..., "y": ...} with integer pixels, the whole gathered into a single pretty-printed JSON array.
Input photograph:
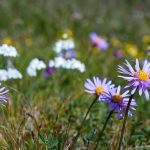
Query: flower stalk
[
  {"x": 102, "y": 131},
  {"x": 124, "y": 122},
  {"x": 80, "y": 128}
]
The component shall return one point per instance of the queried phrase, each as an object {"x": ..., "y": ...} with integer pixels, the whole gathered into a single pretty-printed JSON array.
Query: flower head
[
  {"x": 10, "y": 73},
  {"x": 69, "y": 54},
  {"x": 13, "y": 73},
  {"x": 8, "y": 41},
  {"x": 131, "y": 50},
  {"x": 3, "y": 75},
  {"x": 60, "y": 62},
  {"x": 98, "y": 87},
  {"x": 115, "y": 43},
  {"x": 49, "y": 71},
  {"x": 138, "y": 78},
  {"x": 98, "y": 42},
  {"x": 8, "y": 51},
  {"x": 64, "y": 45},
  {"x": 3, "y": 95},
  {"x": 35, "y": 65},
  {"x": 118, "y": 101}
]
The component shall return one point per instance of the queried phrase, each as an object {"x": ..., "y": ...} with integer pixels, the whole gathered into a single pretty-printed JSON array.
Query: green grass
[{"x": 45, "y": 113}]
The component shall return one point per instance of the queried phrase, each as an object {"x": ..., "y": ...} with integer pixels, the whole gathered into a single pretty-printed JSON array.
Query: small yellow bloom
[
  {"x": 7, "y": 41},
  {"x": 131, "y": 49},
  {"x": 115, "y": 42},
  {"x": 67, "y": 34}
]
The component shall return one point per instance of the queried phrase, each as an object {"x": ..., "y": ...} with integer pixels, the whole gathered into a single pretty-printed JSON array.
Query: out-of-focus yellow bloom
[
  {"x": 131, "y": 49},
  {"x": 115, "y": 42},
  {"x": 65, "y": 34},
  {"x": 7, "y": 41},
  {"x": 28, "y": 41},
  {"x": 146, "y": 39}
]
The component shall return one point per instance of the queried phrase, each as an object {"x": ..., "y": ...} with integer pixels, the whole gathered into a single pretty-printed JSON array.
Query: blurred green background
[{"x": 127, "y": 19}]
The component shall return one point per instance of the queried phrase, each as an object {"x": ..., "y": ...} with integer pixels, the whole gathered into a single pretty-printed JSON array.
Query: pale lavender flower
[
  {"x": 98, "y": 42},
  {"x": 139, "y": 79},
  {"x": 118, "y": 101},
  {"x": 97, "y": 87},
  {"x": 69, "y": 54}
]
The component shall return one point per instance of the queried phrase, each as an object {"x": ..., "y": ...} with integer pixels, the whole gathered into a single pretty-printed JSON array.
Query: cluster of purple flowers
[
  {"x": 108, "y": 93},
  {"x": 117, "y": 100}
]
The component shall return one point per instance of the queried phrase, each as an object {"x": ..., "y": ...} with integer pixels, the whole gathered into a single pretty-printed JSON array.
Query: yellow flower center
[
  {"x": 142, "y": 76},
  {"x": 98, "y": 40},
  {"x": 116, "y": 98},
  {"x": 99, "y": 91}
]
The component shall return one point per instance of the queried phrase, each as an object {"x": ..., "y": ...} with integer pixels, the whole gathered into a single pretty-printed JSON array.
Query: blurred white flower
[
  {"x": 35, "y": 65},
  {"x": 8, "y": 51},
  {"x": 13, "y": 73},
  {"x": 10, "y": 73},
  {"x": 57, "y": 62},
  {"x": 3, "y": 75},
  {"x": 31, "y": 72},
  {"x": 60, "y": 62},
  {"x": 62, "y": 45}
]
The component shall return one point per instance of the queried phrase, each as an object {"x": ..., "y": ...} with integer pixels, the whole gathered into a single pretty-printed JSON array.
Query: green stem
[
  {"x": 101, "y": 132},
  {"x": 79, "y": 129},
  {"x": 124, "y": 122}
]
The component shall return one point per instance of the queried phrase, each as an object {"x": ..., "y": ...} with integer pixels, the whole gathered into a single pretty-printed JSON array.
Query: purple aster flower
[
  {"x": 3, "y": 95},
  {"x": 118, "y": 101},
  {"x": 49, "y": 71},
  {"x": 98, "y": 87},
  {"x": 98, "y": 42},
  {"x": 138, "y": 78}
]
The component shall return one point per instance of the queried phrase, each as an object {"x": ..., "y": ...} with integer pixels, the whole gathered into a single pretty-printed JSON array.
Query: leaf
[{"x": 41, "y": 137}]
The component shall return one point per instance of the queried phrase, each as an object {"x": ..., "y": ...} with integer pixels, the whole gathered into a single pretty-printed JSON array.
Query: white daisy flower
[
  {"x": 60, "y": 62},
  {"x": 61, "y": 45},
  {"x": 13, "y": 73},
  {"x": 10, "y": 73},
  {"x": 3, "y": 75},
  {"x": 35, "y": 65},
  {"x": 8, "y": 51}
]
